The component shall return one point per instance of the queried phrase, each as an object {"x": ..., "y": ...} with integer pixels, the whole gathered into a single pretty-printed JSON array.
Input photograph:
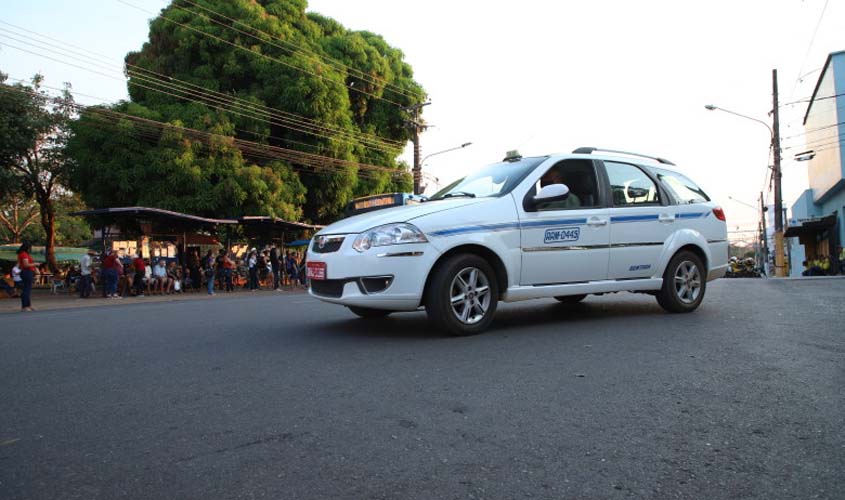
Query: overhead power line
[
  {"x": 262, "y": 55},
  {"x": 808, "y": 99},
  {"x": 811, "y": 144},
  {"x": 112, "y": 63},
  {"x": 808, "y": 131},
  {"x": 809, "y": 47},
  {"x": 298, "y": 49},
  {"x": 302, "y": 160},
  {"x": 221, "y": 101}
]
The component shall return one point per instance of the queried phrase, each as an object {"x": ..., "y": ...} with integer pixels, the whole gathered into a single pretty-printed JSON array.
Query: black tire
[
  {"x": 570, "y": 299},
  {"x": 369, "y": 313},
  {"x": 684, "y": 283},
  {"x": 472, "y": 314}
]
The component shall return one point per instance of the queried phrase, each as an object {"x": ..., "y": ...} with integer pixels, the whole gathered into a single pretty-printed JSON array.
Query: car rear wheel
[
  {"x": 570, "y": 299},
  {"x": 462, "y": 295},
  {"x": 367, "y": 312},
  {"x": 684, "y": 283}
]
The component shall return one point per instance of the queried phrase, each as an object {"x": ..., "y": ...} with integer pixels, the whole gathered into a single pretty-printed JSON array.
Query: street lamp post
[
  {"x": 774, "y": 134},
  {"x": 445, "y": 151},
  {"x": 417, "y": 188}
]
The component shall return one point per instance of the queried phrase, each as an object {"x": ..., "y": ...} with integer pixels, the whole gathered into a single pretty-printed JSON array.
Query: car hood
[{"x": 360, "y": 223}]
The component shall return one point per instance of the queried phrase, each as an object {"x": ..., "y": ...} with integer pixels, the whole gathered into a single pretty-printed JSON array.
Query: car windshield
[{"x": 493, "y": 180}]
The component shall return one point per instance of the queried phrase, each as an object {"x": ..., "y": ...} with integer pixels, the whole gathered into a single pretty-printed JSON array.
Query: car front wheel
[
  {"x": 684, "y": 283},
  {"x": 462, "y": 295}
]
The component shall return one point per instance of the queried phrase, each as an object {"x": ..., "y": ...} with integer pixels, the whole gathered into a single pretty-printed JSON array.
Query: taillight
[{"x": 719, "y": 213}]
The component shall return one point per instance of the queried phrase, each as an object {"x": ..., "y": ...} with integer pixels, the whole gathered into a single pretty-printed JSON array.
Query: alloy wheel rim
[
  {"x": 687, "y": 282},
  {"x": 469, "y": 295}
]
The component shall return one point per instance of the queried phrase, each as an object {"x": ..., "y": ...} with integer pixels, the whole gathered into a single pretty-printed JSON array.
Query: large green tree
[
  {"x": 34, "y": 129},
  {"x": 257, "y": 70}
]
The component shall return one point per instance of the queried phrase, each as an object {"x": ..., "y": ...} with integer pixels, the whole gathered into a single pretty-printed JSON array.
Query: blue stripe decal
[
  {"x": 632, "y": 218},
  {"x": 692, "y": 215},
  {"x": 506, "y": 226},
  {"x": 472, "y": 229},
  {"x": 558, "y": 222}
]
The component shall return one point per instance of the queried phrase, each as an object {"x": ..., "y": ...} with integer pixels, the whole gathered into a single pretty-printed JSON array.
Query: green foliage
[
  {"x": 123, "y": 165},
  {"x": 34, "y": 130},
  {"x": 112, "y": 168}
]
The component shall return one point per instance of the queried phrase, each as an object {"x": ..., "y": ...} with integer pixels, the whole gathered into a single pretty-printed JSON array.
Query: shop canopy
[
  {"x": 261, "y": 226},
  {"x": 144, "y": 220},
  {"x": 156, "y": 221},
  {"x": 811, "y": 227}
]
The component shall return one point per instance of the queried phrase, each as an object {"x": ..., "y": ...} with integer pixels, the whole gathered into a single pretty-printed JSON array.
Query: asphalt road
[{"x": 282, "y": 397}]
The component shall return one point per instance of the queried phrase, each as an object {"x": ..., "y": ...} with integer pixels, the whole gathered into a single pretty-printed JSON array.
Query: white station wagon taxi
[{"x": 562, "y": 226}]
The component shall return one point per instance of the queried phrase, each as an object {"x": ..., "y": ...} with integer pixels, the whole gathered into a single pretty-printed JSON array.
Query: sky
[{"x": 545, "y": 76}]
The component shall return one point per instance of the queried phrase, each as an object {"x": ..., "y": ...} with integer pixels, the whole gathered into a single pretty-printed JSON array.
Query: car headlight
[{"x": 389, "y": 234}]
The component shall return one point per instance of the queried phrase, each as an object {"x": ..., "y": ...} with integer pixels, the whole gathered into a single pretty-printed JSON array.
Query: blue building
[{"x": 818, "y": 215}]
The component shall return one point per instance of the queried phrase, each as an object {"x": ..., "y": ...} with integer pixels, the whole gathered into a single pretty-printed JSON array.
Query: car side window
[
  {"x": 579, "y": 176},
  {"x": 630, "y": 186}
]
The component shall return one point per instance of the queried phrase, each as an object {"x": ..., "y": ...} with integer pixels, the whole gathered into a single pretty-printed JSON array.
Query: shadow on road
[{"x": 516, "y": 318}]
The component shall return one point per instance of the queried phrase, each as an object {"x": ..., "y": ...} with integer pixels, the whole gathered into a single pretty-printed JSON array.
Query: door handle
[
  {"x": 666, "y": 218},
  {"x": 596, "y": 222}
]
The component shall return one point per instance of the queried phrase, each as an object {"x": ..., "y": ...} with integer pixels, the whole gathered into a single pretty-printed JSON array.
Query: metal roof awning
[
  {"x": 269, "y": 223},
  {"x": 162, "y": 221},
  {"x": 157, "y": 221},
  {"x": 811, "y": 227}
]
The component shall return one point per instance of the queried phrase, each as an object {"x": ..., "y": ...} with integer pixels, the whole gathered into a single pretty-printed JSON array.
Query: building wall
[
  {"x": 803, "y": 208},
  {"x": 822, "y": 132},
  {"x": 836, "y": 203}
]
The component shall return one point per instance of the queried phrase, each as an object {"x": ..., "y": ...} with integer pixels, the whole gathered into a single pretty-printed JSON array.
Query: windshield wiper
[{"x": 458, "y": 193}]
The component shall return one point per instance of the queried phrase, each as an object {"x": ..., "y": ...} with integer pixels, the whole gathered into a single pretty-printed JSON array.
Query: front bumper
[{"x": 390, "y": 277}]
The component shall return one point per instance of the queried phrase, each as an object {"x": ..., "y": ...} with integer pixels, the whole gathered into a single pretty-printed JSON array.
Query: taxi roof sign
[{"x": 512, "y": 155}]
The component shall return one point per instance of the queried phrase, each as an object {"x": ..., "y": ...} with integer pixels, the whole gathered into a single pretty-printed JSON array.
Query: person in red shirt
[
  {"x": 27, "y": 267},
  {"x": 140, "y": 271},
  {"x": 110, "y": 271}
]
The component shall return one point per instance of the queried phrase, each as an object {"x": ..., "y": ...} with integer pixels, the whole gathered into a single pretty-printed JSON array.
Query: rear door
[{"x": 641, "y": 220}]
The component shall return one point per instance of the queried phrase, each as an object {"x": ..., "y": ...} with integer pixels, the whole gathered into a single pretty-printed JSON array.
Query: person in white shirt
[
  {"x": 161, "y": 279},
  {"x": 252, "y": 267},
  {"x": 16, "y": 277},
  {"x": 84, "y": 284}
]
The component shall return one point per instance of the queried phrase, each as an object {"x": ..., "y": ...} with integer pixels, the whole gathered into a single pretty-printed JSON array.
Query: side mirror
[
  {"x": 550, "y": 194},
  {"x": 636, "y": 192}
]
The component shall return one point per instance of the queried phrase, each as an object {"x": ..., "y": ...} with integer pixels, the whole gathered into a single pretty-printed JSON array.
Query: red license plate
[{"x": 315, "y": 270}]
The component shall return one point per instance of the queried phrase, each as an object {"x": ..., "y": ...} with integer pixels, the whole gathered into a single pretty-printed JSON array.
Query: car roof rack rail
[{"x": 589, "y": 150}]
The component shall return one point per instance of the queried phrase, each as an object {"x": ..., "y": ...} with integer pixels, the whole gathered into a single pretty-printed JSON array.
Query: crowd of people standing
[
  {"x": 116, "y": 277},
  {"x": 270, "y": 267}
]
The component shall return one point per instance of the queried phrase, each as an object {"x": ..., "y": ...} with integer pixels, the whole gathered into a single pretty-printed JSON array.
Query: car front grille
[{"x": 327, "y": 244}]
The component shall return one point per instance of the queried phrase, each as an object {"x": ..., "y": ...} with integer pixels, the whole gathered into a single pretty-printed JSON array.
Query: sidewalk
[{"x": 43, "y": 300}]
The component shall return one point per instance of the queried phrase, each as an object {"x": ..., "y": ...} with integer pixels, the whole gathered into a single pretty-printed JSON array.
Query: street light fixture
[
  {"x": 805, "y": 156},
  {"x": 752, "y": 207},
  {"x": 711, "y": 107},
  {"x": 445, "y": 151}
]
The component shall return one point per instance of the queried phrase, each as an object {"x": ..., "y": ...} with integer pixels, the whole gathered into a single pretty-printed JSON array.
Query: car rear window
[{"x": 682, "y": 189}]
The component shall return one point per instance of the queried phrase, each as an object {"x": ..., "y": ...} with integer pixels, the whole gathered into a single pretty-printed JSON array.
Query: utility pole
[
  {"x": 765, "y": 238},
  {"x": 780, "y": 261},
  {"x": 417, "y": 126}
]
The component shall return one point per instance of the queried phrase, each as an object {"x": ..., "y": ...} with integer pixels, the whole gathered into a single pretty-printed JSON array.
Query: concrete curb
[{"x": 43, "y": 300}]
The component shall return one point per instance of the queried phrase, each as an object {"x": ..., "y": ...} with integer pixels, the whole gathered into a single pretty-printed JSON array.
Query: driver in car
[{"x": 554, "y": 176}]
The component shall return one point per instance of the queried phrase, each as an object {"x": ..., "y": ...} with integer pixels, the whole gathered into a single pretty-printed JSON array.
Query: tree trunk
[{"x": 48, "y": 222}]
